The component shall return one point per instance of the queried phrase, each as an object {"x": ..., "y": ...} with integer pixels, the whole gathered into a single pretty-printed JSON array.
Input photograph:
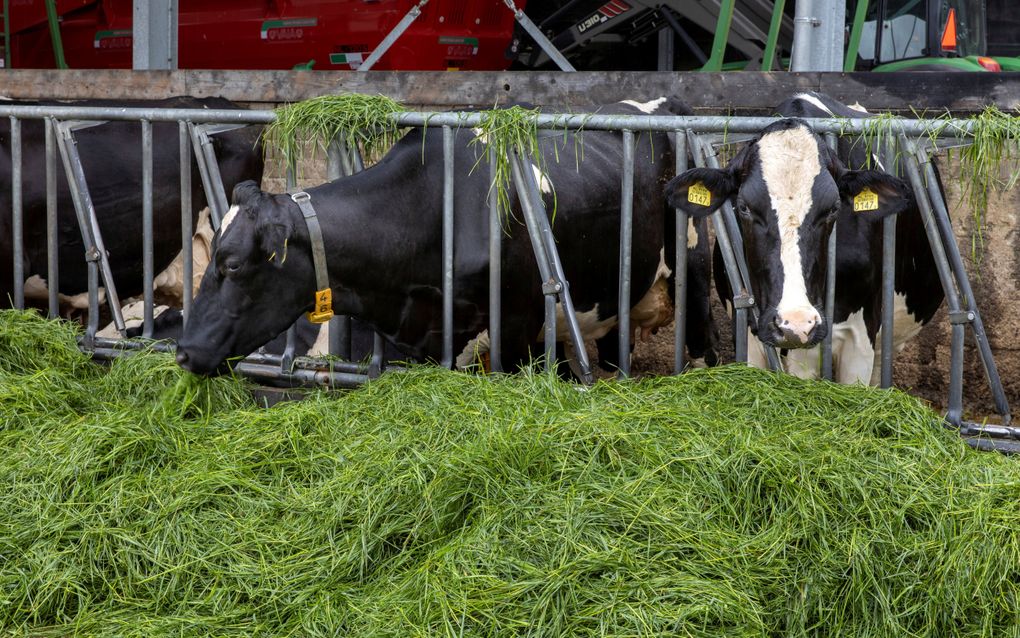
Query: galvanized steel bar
[
  {"x": 626, "y": 253},
  {"x": 92, "y": 237},
  {"x": 147, "y": 258},
  {"x": 495, "y": 272},
  {"x": 830, "y": 286},
  {"x": 680, "y": 267},
  {"x": 340, "y": 325},
  {"x": 17, "y": 215},
  {"x": 52, "y": 244},
  {"x": 558, "y": 277},
  {"x": 888, "y": 277},
  {"x": 448, "y": 167},
  {"x": 376, "y": 364},
  {"x": 187, "y": 232},
  {"x": 391, "y": 37},
  {"x": 931, "y": 229},
  {"x": 518, "y": 171},
  {"x": 963, "y": 282},
  {"x": 287, "y": 360},
  {"x": 216, "y": 212},
  {"x": 216, "y": 193}
]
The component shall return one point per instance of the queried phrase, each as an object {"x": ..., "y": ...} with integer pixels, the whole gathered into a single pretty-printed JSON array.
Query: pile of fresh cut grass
[{"x": 137, "y": 500}]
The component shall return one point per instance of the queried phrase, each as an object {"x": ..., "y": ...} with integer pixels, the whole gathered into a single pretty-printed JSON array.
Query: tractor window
[
  {"x": 970, "y": 33},
  {"x": 903, "y": 31}
]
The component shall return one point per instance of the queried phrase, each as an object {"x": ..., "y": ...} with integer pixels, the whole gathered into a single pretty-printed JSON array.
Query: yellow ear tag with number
[
  {"x": 698, "y": 194},
  {"x": 865, "y": 200},
  {"x": 323, "y": 311}
]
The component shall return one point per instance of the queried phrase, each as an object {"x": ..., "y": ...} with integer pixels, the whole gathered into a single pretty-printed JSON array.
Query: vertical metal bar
[
  {"x": 52, "y": 228},
  {"x": 963, "y": 282},
  {"x": 495, "y": 272},
  {"x": 376, "y": 363},
  {"x": 17, "y": 214},
  {"x": 92, "y": 237},
  {"x": 448, "y": 167},
  {"x": 184, "y": 155},
  {"x": 216, "y": 207},
  {"x": 7, "y": 34},
  {"x": 626, "y": 250},
  {"x": 722, "y": 33},
  {"x": 147, "y": 267},
  {"x": 768, "y": 58},
  {"x": 888, "y": 277},
  {"x": 850, "y": 61},
  {"x": 536, "y": 34},
  {"x": 680, "y": 267},
  {"x": 93, "y": 321},
  {"x": 287, "y": 358},
  {"x": 54, "y": 23},
  {"x": 339, "y": 326},
  {"x": 541, "y": 258},
  {"x": 955, "y": 411},
  {"x": 557, "y": 283},
  {"x": 392, "y": 36},
  {"x": 830, "y": 287}
]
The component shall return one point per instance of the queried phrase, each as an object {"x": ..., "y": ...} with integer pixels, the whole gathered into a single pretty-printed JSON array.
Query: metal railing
[{"x": 697, "y": 137}]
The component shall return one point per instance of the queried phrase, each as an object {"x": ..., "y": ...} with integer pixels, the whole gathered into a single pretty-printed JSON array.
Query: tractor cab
[{"x": 918, "y": 35}]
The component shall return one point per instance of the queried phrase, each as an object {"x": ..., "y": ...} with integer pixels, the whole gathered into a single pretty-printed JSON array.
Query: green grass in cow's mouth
[{"x": 139, "y": 500}]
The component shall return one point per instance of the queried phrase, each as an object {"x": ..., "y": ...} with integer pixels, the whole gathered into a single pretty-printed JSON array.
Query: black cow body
[
  {"x": 382, "y": 232},
  {"x": 111, "y": 156},
  {"x": 788, "y": 277}
]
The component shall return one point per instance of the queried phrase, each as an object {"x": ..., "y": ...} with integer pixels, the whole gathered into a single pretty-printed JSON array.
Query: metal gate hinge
[
  {"x": 552, "y": 287},
  {"x": 961, "y": 316},
  {"x": 743, "y": 301}
]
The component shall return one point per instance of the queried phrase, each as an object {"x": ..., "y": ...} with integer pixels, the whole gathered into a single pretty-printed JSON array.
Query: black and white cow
[
  {"x": 111, "y": 157},
  {"x": 382, "y": 235},
  {"x": 789, "y": 189}
]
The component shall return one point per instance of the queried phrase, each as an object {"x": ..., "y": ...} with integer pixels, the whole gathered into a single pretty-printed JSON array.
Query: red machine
[{"x": 273, "y": 34}]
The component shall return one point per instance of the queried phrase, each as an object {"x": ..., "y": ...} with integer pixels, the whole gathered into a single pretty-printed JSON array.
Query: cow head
[
  {"x": 259, "y": 281},
  {"x": 788, "y": 189}
]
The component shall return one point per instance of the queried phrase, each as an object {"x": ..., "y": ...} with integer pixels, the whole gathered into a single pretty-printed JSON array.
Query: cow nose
[
  {"x": 182, "y": 358},
  {"x": 798, "y": 325}
]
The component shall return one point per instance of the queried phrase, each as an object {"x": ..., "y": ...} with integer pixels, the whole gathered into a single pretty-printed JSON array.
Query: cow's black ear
[
  {"x": 872, "y": 193},
  {"x": 273, "y": 231},
  {"x": 700, "y": 191},
  {"x": 247, "y": 193}
]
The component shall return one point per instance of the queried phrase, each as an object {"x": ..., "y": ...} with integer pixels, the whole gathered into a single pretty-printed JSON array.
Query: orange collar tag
[
  {"x": 323, "y": 311},
  {"x": 699, "y": 195}
]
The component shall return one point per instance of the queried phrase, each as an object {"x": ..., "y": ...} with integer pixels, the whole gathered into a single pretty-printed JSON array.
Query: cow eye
[
  {"x": 232, "y": 266},
  {"x": 743, "y": 210}
]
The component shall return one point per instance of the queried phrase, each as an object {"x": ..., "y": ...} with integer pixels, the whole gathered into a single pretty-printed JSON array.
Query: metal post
[
  {"x": 392, "y": 36},
  {"x": 448, "y": 168},
  {"x": 215, "y": 196},
  {"x": 154, "y": 31},
  {"x": 147, "y": 257},
  {"x": 680, "y": 267},
  {"x": 87, "y": 221},
  {"x": 963, "y": 282},
  {"x": 184, "y": 155},
  {"x": 376, "y": 363},
  {"x": 888, "y": 277},
  {"x": 722, "y": 33},
  {"x": 495, "y": 272},
  {"x": 52, "y": 228},
  {"x": 626, "y": 250},
  {"x": 830, "y": 287},
  {"x": 17, "y": 214},
  {"x": 340, "y": 325},
  {"x": 957, "y": 317},
  {"x": 768, "y": 57},
  {"x": 287, "y": 360},
  {"x": 55, "y": 39}
]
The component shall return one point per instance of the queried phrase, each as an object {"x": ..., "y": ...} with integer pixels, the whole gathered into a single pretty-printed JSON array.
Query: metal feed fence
[{"x": 907, "y": 141}]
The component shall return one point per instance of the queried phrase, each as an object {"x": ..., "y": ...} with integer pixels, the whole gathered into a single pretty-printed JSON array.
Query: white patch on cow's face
[
  {"x": 645, "y": 107},
  {"x": 229, "y": 217},
  {"x": 692, "y": 234},
  {"x": 544, "y": 184},
  {"x": 789, "y": 164}
]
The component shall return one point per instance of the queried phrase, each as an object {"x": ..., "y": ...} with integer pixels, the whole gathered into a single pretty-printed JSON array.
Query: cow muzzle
[
  {"x": 793, "y": 328},
  {"x": 192, "y": 361}
]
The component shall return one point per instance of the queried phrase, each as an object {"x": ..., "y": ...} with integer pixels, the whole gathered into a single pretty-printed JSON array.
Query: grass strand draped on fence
[{"x": 138, "y": 500}]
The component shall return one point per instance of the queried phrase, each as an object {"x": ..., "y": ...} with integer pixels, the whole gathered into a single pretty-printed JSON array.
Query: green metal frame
[
  {"x": 770, "y": 45},
  {"x": 722, "y": 31},
  {"x": 58, "y": 43},
  {"x": 850, "y": 62},
  {"x": 7, "y": 35}
]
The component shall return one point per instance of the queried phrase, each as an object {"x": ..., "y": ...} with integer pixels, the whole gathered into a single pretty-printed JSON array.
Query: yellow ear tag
[
  {"x": 865, "y": 200},
  {"x": 698, "y": 194},
  {"x": 323, "y": 311}
]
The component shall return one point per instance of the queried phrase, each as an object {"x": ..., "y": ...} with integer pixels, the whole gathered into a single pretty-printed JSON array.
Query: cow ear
[
  {"x": 273, "y": 230},
  {"x": 874, "y": 194},
  {"x": 700, "y": 191},
  {"x": 247, "y": 194}
]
